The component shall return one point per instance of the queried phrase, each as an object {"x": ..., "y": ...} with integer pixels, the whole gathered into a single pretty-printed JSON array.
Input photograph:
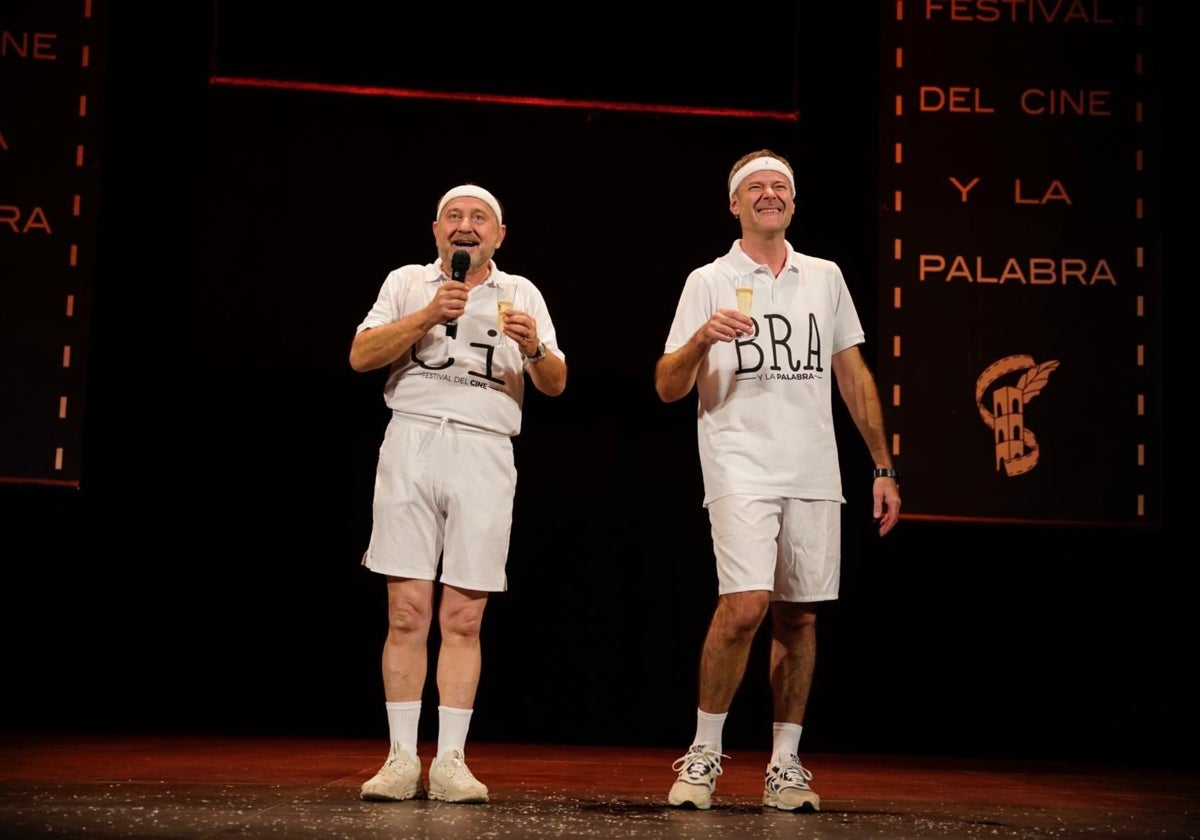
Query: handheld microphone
[{"x": 459, "y": 263}]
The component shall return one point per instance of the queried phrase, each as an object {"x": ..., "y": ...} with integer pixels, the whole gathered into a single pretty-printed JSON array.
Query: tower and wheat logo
[{"x": 1016, "y": 446}]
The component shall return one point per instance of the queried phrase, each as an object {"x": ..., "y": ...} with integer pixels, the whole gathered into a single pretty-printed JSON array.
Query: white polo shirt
[
  {"x": 474, "y": 379},
  {"x": 764, "y": 414}
]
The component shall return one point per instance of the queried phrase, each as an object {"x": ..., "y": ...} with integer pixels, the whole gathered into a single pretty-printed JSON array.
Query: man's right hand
[
  {"x": 726, "y": 325},
  {"x": 450, "y": 301}
]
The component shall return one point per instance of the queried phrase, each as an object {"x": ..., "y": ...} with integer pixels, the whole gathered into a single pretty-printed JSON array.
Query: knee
[
  {"x": 794, "y": 619},
  {"x": 463, "y": 623},
  {"x": 741, "y": 613},
  {"x": 461, "y": 614},
  {"x": 406, "y": 618},
  {"x": 461, "y": 628}
]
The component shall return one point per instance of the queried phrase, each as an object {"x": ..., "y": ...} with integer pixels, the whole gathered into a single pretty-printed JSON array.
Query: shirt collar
[{"x": 745, "y": 265}]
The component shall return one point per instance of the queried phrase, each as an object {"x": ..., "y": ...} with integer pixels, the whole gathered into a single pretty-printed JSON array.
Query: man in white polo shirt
[
  {"x": 445, "y": 478},
  {"x": 764, "y": 378}
]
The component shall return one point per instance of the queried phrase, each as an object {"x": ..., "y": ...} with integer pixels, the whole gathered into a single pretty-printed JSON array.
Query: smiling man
[
  {"x": 769, "y": 462},
  {"x": 445, "y": 477}
]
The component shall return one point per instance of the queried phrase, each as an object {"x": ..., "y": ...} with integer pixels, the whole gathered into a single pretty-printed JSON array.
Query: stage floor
[{"x": 166, "y": 787}]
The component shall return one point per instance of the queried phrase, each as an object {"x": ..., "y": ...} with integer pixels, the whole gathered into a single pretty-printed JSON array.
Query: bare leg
[
  {"x": 727, "y": 647},
  {"x": 405, "y": 657},
  {"x": 410, "y": 610},
  {"x": 460, "y": 658},
  {"x": 793, "y": 658},
  {"x": 722, "y": 665},
  {"x": 459, "y": 662}
]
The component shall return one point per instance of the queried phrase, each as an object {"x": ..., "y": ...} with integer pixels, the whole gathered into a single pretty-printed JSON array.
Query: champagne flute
[
  {"x": 745, "y": 294},
  {"x": 506, "y": 294}
]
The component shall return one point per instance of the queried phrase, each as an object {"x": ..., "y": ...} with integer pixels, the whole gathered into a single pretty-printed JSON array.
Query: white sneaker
[
  {"x": 787, "y": 787},
  {"x": 698, "y": 771},
  {"x": 398, "y": 779},
  {"x": 451, "y": 780}
]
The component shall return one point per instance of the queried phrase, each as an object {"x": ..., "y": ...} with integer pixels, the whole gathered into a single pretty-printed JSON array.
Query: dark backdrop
[{"x": 205, "y": 576}]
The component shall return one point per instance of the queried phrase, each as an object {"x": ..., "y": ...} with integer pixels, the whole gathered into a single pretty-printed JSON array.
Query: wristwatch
[
  {"x": 538, "y": 354},
  {"x": 887, "y": 472}
]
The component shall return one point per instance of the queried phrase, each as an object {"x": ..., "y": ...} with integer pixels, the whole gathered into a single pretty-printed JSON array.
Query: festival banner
[
  {"x": 51, "y": 72},
  {"x": 1020, "y": 313}
]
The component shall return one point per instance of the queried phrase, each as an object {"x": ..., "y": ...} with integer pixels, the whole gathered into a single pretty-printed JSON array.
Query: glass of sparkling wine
[
  {"x": 506, "y": 293},
  {"x": 745, "y": 295}
]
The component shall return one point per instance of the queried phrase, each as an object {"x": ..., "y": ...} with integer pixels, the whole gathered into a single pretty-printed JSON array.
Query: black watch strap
[{"x": 887, "y": 472}]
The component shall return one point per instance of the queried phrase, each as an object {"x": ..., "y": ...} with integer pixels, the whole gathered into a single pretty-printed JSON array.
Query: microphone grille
[{"x": 460, "y": 262}]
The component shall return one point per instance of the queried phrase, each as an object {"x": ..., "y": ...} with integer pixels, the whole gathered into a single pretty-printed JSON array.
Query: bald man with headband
[
  {"x": 458, "y": 337},
  {"x": 760, "y": 334}
]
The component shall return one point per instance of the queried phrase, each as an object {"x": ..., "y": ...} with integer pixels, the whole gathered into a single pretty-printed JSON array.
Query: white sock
[
  {"x": 787, "y": 740},
  {"x": 452, "y": 729},
  {"x": 402, "y": 725},
  {"x": 709, "y": 728}
]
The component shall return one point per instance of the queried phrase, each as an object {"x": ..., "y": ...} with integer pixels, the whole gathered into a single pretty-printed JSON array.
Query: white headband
[
  {"x": 757, "y": 165},
  {"x": 474, "y": 192}
]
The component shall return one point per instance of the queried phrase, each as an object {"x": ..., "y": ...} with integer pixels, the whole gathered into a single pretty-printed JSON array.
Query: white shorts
[
  {"x": 789, "y": 547},
  {"x": 443, "y": 491}
]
